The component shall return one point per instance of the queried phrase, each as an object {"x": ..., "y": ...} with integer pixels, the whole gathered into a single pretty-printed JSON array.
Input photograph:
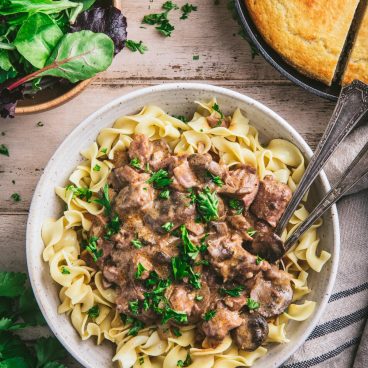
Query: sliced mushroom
[
  {"x": 272, "y": 290},
  {"x": 251, "y": 333}
]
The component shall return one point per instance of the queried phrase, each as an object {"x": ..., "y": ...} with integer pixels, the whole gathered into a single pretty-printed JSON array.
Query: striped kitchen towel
[{"x": 338, "y": 341}]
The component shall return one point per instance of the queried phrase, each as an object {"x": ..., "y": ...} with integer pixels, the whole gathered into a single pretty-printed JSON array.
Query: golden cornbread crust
[
  {"x": 357, "y": 67},
  {"x": 308, "y": 34}
]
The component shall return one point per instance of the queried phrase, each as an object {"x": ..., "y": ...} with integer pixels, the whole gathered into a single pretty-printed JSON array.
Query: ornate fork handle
[
  {"x": 354, "y": 173},
  {"x": 351, "y": 107}
]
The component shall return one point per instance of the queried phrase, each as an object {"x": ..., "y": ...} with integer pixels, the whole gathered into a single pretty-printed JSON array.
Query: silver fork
[
  {"x": 351, "y": 108},
  {"x": 352, "y": 176}
]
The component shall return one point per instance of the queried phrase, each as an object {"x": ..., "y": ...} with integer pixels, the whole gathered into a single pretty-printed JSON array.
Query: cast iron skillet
[{"x": 311, "y": 85}]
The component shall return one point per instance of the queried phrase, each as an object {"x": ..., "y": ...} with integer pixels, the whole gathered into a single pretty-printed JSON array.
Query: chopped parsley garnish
[
  {"x": 165, "y": 194},
  {"x": 207, "y": 204},
  {"x": 94, "y": 312},
  {"x": 82, "y": 193},
  {"x": 192, "y": 196},
  {"x": 204, "y": 246},
  {"x": 65, "y": 270},
  {"x": 141, "y": 360},
  {"x": 136, "y": 46},
  {"x": 237, "y": 205},
  {"x": 167, "y": 226},
  {"x": 176, "y": 332},
  {"x": 136, "y": 324},
  {"x": 40, "y": 124},
  {"x": 92, "y": 248},
  {"x": 169, "y": 5},
  {"x": 156, "y": 301},
  {"x": 235, "y": 292},
  {"x": 104, "y": 201},
  {"x": 181, "y": 118},
  {"x": 15, "y": 197},
  {"x": 251, "y": 232},
  {"x": 186, "y": 9},
  {"x": 195, "y": 57},
  {"x": 137, "y": 244},
  {"x": 104, "y": 150},
  {"x": 153, "y": 19},
  {"x": 140, "y": 270},
  {"x": 216, "y": 179},
  {"x": 177, "y": 316},
  {"x": 4, "y": 150},
  {"x": 133, "y": 306},
  {"x": 252, "y": 304},
  {"x": 160, "y": 179},
  {"x": 134, "y": 162},
  {"x": 198, "y": 298},
  {"x": 203, "y": 262},
  {"x": 97, "y": 167},
  {"x": 216, "y": 108},
  {"x": 165, "y": 28},
  {"x": 186, "y": 363},
  {"x": 209, "y": 315},
  {"x": 112, "y": 227},
  {"x": 189, "y": 248},
  {"x": 181, "y": 268},
  {"x": 259, "y": 259},
  {"x": 163, "y": 24}
]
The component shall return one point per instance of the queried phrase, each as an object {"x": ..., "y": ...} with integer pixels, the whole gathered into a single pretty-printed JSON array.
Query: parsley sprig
[
  {"x": 104, "y": 201},
  {"x": 160, "y": 179},
  {"x": 237, "y": 205},
  {"x": 234, "y": 292},
  {"x": 216, "y": 179},
  {"x": 82, "y": 193},
  {"x": 187, "y": 9},
  {"x": 91, "y": 248},
  {"x": 207, "y": 204},
  {"x": 135, "y": 46}
]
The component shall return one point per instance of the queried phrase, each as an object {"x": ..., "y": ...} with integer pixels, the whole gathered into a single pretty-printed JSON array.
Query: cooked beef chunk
[
  {"x": 176, "y": 209},
  {"x": 231, "y": 260},
  {"x": 120, "y": 159},
  {"x": 202, "y": 165},
  {"x": 272, "y": 289},
  {"x": 220, "y": 324},
  {"x": 251, "y": 333},
  {"x": 184, "y": 177},
  {"x": 160, "y": 153},
  {"x": 98, "y": 224},
  {"x": 214, "y": 122},
  {"x": 271, "y": 200},
  {"x": 267, "y": 245},
  {"x": 241, "y": 225},
  {"x": 242, "y": 184},
  {"x": 235, "y": 303},
  {"x": 140, "y": 149},
  {"x": 136, "y": 196},
  {"x": 127, "y": 175}
]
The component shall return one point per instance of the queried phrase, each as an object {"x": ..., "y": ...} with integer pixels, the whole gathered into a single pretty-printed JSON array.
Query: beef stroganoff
[{"x": 166, "y": 246}]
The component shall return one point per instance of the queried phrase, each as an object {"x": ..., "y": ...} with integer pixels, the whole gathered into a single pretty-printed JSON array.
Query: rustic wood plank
[
  {"x": 31, "y": 146},
  {"x": 210, "y": 32}
]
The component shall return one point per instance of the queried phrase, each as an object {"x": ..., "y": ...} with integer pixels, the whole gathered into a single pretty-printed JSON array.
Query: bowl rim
[
  {"x": 65, "y": 97},
  {"x": 313, "y": 320}
]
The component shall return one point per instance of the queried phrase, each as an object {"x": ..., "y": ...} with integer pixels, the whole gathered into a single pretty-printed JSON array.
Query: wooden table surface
[{"x": 225, "y": 59}]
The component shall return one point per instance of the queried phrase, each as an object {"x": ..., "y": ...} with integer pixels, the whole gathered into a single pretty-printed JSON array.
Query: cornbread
[
  {"x": 308, "y": 34},
  {"x": 357, "y": 67}
]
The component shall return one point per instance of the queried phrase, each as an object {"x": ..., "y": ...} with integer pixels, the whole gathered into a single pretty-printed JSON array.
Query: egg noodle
[{"x": 81, "y": 286}]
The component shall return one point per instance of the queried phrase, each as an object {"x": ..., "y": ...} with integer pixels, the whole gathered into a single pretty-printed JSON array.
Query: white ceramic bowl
[{"x": 175, "y": 99}]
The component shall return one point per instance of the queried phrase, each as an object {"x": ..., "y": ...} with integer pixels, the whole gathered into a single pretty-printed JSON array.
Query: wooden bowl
[{"x": 51, "y": 98}]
